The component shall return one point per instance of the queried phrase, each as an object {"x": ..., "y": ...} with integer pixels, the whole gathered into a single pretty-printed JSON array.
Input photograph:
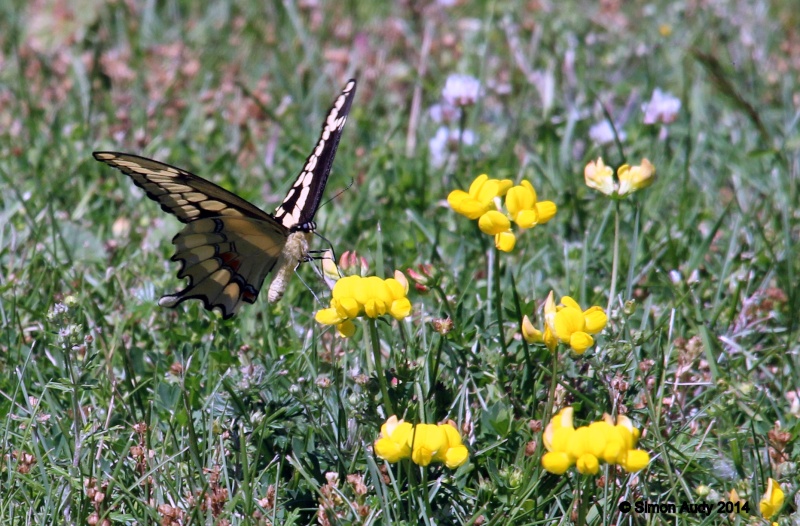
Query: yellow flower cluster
[
  {"x": 423, "y": 443},
  {"x": 372, "y": 296},
  {"x": 566, "y": 323},
  {"x": 482, "y": 202},
  {"x": 629, "y": 178},
  {"x": 587, "y": 446}
]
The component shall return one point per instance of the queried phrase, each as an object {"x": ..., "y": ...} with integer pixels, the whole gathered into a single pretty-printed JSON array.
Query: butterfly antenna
[
  {"x": 330, "y": 247},
  {"x": 340, "y": 192}
]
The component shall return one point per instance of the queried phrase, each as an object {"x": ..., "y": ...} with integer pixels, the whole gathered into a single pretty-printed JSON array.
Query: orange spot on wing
[{"x": 231, "y": 260}]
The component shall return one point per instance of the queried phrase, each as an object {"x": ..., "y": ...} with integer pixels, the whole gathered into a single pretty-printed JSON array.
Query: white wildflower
[
  {"x": 461, "y": 90},
  {"x": 663, "y": 107}
]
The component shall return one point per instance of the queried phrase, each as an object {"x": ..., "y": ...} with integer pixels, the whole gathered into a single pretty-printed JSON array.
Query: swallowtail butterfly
[{"x": 229, "y": 245}]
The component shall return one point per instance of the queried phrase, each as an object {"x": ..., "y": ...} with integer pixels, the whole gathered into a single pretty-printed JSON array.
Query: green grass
[{"x": 176, "y": 415}]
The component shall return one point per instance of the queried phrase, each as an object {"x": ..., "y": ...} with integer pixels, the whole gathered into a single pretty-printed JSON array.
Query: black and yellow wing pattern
[{"x": 229, "y": 245}]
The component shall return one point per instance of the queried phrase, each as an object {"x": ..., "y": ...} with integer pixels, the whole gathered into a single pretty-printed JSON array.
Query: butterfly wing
[
  {"x": 228, "y": 245},
  {"x": 226, "y": 260},
  {"x": 179, "y": 192},
  {"x": 301, "y": 203}
]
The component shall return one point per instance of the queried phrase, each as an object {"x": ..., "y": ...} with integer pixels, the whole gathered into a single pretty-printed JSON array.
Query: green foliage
[{"x": 115, "y": 409}]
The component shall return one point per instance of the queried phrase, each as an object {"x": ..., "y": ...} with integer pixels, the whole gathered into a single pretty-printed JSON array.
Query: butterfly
[{"x": 229, "y": 245}]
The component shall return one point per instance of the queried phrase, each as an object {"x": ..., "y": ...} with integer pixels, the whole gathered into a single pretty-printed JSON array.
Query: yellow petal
[
  {"x": 568, "y": 321},
  {"x": 596, "y": 319},
  {"x": 599, "y": 177},
  {"x": 527, "y": 218},
  {"x": 580, "y": 342},
  {"x": 636, "y": 460},
  {"x": 531, "y": 333},
  {"x": 329, "y": 268},
  {"x": 588, "y": 465},
  {"x": 772, "y": 500},
  {"x": 328, "y": 317},
  {"x": 390, "y": 451},
  {"x": 374, "y": 308},
  {"x": 520, "y": 198},
  {"x": 556, "y": 463},
  {"x": 345, "y": 287},
  {"x": 456, "y": 456},
  {"x": 426, "y": 442},
  {"x": 452, "y": 435},
  {"x": 347, "y": 307},
  {"x": 346, "y": 329},
  {"x": 546, "y": 210},
  {"x": 401, "y": 279},
  {"x": 599, "y": 435},
  {"x": 493, "y": 222},
  {"x": 477, "y": 184},
  {"x": 503, "y": 186},
  {"x": 505, "y": 241},
  {"x": 567, "y": 301},
  {"x": 400, "y": 308},
  {"x": 578, "y": 442},
  {"x": 396, "y": 289},
  {"x": 550, "y": 312},
  {"x": 642, "y": 175}
]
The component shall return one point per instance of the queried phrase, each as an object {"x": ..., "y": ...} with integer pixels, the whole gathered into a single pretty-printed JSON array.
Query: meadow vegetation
[{"x": 664, "y": 367}]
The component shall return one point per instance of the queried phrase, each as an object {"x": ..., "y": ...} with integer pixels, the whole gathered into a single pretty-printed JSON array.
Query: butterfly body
[{"x": 228, "y": 245}]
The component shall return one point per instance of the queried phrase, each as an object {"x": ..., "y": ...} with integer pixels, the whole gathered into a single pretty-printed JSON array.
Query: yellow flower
[
  {"x": 600, "y": 177},
  {"x": 587, "y": 446},
  {"x": 426, "y": 442},
  {"x": 482, "y": 203},
  {"x": 505, "y": 241},
  {"x": 525, "y": 210},
  {"x": 493, "y": 223},
  {"x": 353, "y": 296},
  {"x": 534, "y": 335},
  {"x": 636, "y": 177},
  {"x": 573, "y": 326},
  {"x": 392, "y": 445},
  {"x": 772, "y": 500},
  {"x": 454, "y": 453},
  {"x": 478, "y": 200},
  {"x": 635, "y": 460}
]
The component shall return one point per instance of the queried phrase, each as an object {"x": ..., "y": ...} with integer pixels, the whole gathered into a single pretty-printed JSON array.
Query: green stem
[
  {"x": 551, "y": 395},
  {"x": 498, "y": 301},
  {"x": 615, "y": 262},
  {"x": 379, "y": 371},
  {"x": 425, "y": 496}
]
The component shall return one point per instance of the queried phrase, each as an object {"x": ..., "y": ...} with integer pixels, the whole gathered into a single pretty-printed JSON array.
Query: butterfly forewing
[
  {"x": 301, "y": 203},
  {"x": 229, "y": 245},
  {"x": 179, "y": 192}
]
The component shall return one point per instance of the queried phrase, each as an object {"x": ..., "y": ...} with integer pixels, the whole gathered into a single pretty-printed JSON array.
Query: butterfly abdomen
[{"x": 294, "y": 252}]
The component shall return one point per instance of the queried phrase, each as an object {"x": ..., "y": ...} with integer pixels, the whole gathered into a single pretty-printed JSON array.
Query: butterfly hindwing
[
  {"x": 226, "y": 260},
  {"x": 228, "y": 245},
  {"x": 302, "y": 201}
]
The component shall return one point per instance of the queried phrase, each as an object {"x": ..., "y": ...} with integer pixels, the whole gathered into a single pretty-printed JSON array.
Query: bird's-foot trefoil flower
[
  {"x": 545, "y": 336},
  {"x": 629, "y": 179},
  {"x": 482, "y": 202},
  {"x": 353, "y": 296},
  {"x": 587, "y": 447},
  {"x": 392, "y": 446},
  {"x": 423, "y": 443},
  {"x": 574, "y": 326},
  {"x": 772, "y": 500}
]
